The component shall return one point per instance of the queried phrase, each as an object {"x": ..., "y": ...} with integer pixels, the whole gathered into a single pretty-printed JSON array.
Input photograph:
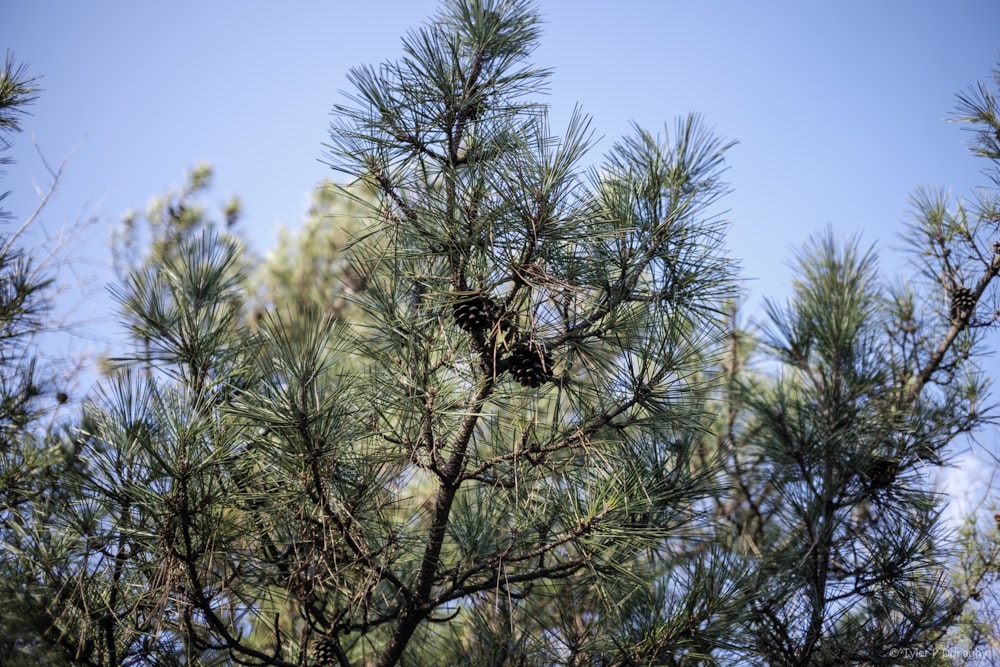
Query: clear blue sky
[{"x": 839, "y": 107}]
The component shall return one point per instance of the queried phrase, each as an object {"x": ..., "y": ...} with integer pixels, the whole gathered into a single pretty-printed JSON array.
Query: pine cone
[
  {"x": 475, "y": 313},
  {"x": 326, "y": 653},
  {"x": 530, "y": 365},
  {"x": 883, "y": 473},
  {"x": 962, "y": 303}
]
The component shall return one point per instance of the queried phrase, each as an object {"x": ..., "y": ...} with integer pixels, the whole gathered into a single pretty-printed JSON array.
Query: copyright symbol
[{"x": 894, "y": 653}]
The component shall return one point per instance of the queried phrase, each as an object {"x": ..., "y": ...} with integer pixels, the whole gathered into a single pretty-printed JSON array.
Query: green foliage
[
  {"x": 313, "y": 268},
  {"x": 832, "y": 457},
  {"x": 17, "y": 91},
  {"x": 494, "y": 407},
  {"x": 29, "y": 458},
  {"x": 147, "y": 241},
  {"x": 246, "y": 492},
  {"x": 852, "y": 550},
  {"x": 534, "y": 423}
]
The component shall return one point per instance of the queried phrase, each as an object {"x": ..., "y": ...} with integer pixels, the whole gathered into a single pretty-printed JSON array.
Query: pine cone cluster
[
  {"x": 480, "y": 315},
  {"x": 962, "y": 303},
  {"x": 530, "y": 365}
]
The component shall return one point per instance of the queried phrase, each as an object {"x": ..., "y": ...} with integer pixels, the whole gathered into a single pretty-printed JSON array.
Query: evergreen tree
[
  {"x": 313, "y": 267},
  {"x": 156, "y": 236},
  {"x": 536, "y": 344},
  {"x": 513, "y": 420},
  {"x": 832, "y": 455},
  {"x": 511, "y": 453},
  {"x": 31, "y": 455}
]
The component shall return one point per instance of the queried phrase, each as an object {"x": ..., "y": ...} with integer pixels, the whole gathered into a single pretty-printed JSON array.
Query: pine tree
[
  {"x": 313, "y": 267},
  {"x": 487, "y": 465},
  {"x": 832, "y": 455},
  {"x": 537, "y": 338},
  {"x": 519, "y": 424},
  {"x": 32, "y": 455}
]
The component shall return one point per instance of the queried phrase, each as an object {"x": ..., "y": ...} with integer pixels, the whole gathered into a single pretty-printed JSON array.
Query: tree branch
[{"x": 959, "y": 325}]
